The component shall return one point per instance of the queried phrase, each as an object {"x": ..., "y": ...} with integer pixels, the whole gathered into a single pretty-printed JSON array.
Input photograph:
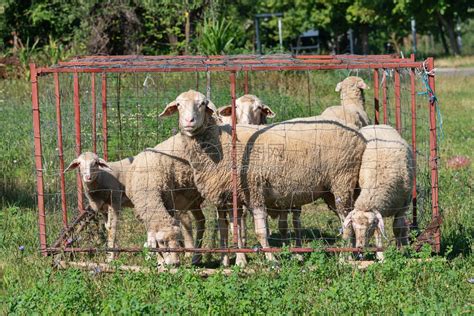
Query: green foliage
[
  {"x": 405, "y": 283},
  {"x": 216, "y": 37}
]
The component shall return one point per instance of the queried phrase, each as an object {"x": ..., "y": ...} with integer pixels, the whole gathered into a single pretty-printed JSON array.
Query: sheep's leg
[
  {"x": 224, "y": 235},
  {"x": 243, "y": 225},
  {"x": 187, "y": 229},
  {"x": 151, "y": 243},
  {"x": 201, "y": 228},
  {"x": 400, "y": 229},
  {"x": 240, "y": 258},
  {"x": 111, "y": 226},
  {"x": 283, "y": 226},
  {"x": 378, "y": 244},
  {"x": 297, "y": 227},
  {"x": 261, "y": 230}
]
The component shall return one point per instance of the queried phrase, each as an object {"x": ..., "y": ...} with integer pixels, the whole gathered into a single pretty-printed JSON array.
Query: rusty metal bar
[
  {"x": 246, "y": 82},
  {"x": 94, "y": 115},
  {"x": 434, "y": 154},
  {"x": 237, "y": 67},
  {"x": 104, "y": 116},
  {"x": 384, "y": 96},
  {"x": 235, "y": 210},
  {"x": 413, "y": 144},
  {"x": 215, "y": 250},
  {"x": 376, "y": 97},
  {"x": 398, "y": 109},
  {"x": 60, "y": 150},
  {"x": 77, "y": 124},
  {"x": 38, "y": 159}
]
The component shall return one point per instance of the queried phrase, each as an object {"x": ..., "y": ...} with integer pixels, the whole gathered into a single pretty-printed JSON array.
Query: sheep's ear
[
  {"x": 339, "y": 86},
  {"x": 225, "y": 110},
  {"x": 170, "y": 109},
  {"x": 73, "y": 165},
  {"x": 102, "y": 163},
  {"x": 347, "y": 220},
  {"x": 211, "y": 108},
  {"x": 362, "y": 85},
  {"x": 267, "y": 111},
  {"x": 380, "y": 224}
]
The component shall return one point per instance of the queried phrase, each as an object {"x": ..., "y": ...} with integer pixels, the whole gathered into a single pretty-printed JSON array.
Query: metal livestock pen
[{"x": 110, "y": 105}]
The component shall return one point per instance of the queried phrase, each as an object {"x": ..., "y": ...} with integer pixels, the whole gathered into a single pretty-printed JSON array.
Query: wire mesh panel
[{"x": 111, "y": 106}]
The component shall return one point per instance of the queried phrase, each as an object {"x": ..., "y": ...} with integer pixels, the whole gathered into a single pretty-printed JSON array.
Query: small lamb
[
  {"x": 249, "y": 110},
  {"x": 104, "y": 187},
  {"x": 386, "y": 182}
]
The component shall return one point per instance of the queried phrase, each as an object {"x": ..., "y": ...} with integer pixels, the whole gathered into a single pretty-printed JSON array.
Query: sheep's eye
[{"x": 177, "y": 104}]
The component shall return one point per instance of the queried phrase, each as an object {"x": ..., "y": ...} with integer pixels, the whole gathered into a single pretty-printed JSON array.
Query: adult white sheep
[
  {"x": 250, "y": 109},
  {"x": 104, "y": 187},
  {"x": 386, "y": 182},
  {"x": 352, "y": 108},
  {"x": 280, "y": 166}
]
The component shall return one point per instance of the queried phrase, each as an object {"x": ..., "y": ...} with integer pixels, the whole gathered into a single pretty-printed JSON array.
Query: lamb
[
  {"x": 282, "y": 166},
  {"x": 104, "y": 187},
  {"x": 386, "y": 182},
  {"x": 352, "y": 108},
  {"x": 251, "y": 110}
]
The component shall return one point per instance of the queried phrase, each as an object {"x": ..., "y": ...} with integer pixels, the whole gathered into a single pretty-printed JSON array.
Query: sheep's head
[
  {"x": 89, "y": 166},
  {"x": 249, "y": 110},
  {"x": 194, "y": 110},
  {"x": 364, "y": 225},
  {"x": 352, "y": 89},
  {"x": 166, "y": 238}
]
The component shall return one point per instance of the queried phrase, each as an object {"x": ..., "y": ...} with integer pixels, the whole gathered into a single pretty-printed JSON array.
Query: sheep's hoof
[
  {"x": 380, "y": 257},
  {"x": 298, "y": 257},
  {"x": 225, "y": 261},
  {"x": 110, "y": 258},
  {"x": 241, "y": 260},
  {"x": 196, "y": 259}
]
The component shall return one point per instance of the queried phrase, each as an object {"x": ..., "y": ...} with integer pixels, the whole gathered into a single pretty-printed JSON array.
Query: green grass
[{"x": 319, "y": 285}]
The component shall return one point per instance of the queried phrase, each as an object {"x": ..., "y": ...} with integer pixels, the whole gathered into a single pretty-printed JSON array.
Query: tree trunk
[
  {"x": 443, "y": 39},
  {"x": 364, "y": 38},
  {"x": 449, "y": 27}
]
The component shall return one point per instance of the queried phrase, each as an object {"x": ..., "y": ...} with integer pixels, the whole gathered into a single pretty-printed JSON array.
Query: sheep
[
  {"x": 104, "y": 187},
  {"x": 352, "y": 108},
  {"x": 161, "y": 181},
  {"x": 281, "y": 166},
  {"x": 386, "y": 182},
  {"x": 251, "y": 110}
]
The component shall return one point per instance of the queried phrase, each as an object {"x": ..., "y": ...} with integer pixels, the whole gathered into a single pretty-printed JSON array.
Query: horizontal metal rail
[{"x": 53, "y": 250}]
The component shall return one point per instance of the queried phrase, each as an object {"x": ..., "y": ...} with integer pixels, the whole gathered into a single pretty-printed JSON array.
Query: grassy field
[{"x": 319, "y": 285}]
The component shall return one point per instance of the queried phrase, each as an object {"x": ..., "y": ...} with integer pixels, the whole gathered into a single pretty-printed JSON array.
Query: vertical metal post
[
  {"x": 376, "y": 96},
  {"x": 309, "y": 94},
  {"x": 257, "y": 37},
  {"x": 60, "y": 149},
  {"x": 434, "y": 156},
  {"x": 384, "y": 96},
  {"x": 413, "y": 34},
  {"x": 398, "y": 110},
  {"x": 234, "y": 161},
  {"x": 94, "y": 114},
  {"x": 280, "y": 34},
  {"x": 104, "y": 116},
  {"x": 413, "y": 141},
  {"x": 77, "y": 124},
  {"x": 38, "y": 158},
  {"x": 208, "y": 85},
  {"x": 350, "y": 34},
  {"x": 246, "y": 82}
]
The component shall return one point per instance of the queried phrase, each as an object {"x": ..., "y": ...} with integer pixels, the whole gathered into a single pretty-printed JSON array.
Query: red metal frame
[
  {"x": 60, "y": 150},
  {"x": 231, "y": 64}
]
